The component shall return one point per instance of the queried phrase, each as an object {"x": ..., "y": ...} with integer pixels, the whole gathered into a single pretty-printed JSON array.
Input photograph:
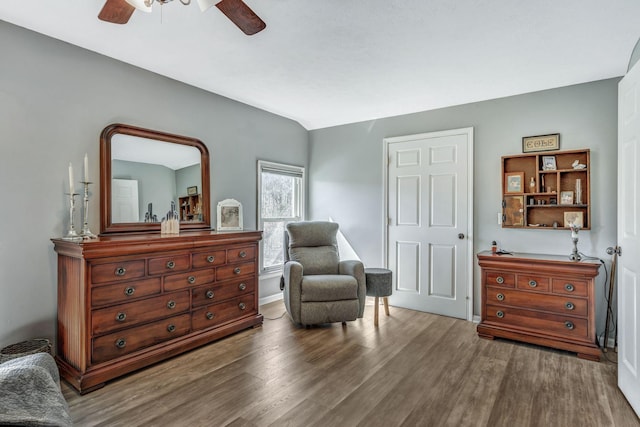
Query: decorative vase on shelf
[
  {"x": 532, "y": 185},
  {"x": 578, "y": 191}
]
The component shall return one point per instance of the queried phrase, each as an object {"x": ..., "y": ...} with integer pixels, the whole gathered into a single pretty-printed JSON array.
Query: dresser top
[{"x": 533, "y": 260}]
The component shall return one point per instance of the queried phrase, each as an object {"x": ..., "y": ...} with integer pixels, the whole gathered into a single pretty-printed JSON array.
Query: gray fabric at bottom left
[{"x": 30, "y": 392}]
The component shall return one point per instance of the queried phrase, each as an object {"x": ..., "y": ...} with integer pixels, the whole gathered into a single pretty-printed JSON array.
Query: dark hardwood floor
[{"x": 415, "y": 369}]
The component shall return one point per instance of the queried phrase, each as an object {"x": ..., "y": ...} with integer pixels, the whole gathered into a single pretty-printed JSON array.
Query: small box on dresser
[
  {"x": 128, "y": 301},
  {"x": 540, "y": 299}
]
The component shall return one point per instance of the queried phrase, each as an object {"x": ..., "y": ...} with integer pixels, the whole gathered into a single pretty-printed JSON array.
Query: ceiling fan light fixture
[
  {"x": 143, "y": 5},
  {"x": 206, "y": 4}
]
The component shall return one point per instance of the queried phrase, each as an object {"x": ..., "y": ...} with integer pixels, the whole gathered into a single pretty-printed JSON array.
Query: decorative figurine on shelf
[
  {"x": 577, "y": 165},
  {"x": 532, "y": 185},
  {"x": 575, "y": 255},
  {"x": 149, "y": 216}
]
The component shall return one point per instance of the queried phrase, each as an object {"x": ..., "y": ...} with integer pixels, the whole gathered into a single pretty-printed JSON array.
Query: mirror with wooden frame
[{"x": 144, "y": 173}]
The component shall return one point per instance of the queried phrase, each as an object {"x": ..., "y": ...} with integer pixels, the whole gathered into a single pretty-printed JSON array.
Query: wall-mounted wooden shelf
[{"x": 538, "y": 202}]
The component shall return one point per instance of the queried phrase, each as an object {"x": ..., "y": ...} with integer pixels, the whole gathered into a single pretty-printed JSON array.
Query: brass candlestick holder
[
  {"x": 72, "y": 234},
  {"x": 86, "y": 232}
]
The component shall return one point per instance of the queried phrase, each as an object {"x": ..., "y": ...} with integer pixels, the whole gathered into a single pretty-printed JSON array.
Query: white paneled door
[
  {"x": 124, "y": 199},
  {"x": 429, "y": 216},
  {"x": 628, "y": 236}
]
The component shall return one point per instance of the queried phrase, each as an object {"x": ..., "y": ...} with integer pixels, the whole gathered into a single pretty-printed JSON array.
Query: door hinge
[{"x": 504, "y": 203}]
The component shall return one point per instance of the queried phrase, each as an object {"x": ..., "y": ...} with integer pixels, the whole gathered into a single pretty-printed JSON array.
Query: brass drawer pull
[
  {"x": 121, "y": 343},
  {"x": 569, "y": 306},
  {"x": 129, "y": 290},
  {"x": 569, "y": 325},
  {"x": 121, "y": 271},
  {"x": 211, "y": 258},
  {"x": 242, "y": 286},
  {"x": 242, "y": 254},
  {"x": 533, "y": 283},
  {"x": 209, "y": 315},
  {"x": 500, "y": 314},
  {"x": 171, "y": 304},
  {"x": 209, "y": 294},
  {"x": 191, "y": 279},
  {"x": 171, "y": 264},
  {"x": 500, "y": 280},
  {"x": 120, "y": 317},
  {"x": 236, "y": 270},
  {"x": 242, "y": 306},
  {"x": 500, "y": 297},
  {"x": 171, "y": 328},
  {"x": 569, "y": 287}
]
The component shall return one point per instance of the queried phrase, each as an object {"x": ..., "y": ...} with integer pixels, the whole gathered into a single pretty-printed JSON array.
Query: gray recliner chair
[{"x": 318, "y": 287}]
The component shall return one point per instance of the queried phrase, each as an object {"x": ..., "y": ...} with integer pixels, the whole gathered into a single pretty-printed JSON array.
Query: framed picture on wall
[
  {"x": 513, "y": 182},
  {"x": 192, "y": 191},
  {"x": 229, "y": 215}
]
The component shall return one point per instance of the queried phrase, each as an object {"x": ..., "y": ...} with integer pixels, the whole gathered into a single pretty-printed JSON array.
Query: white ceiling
[{"x": 330, "y": 62}]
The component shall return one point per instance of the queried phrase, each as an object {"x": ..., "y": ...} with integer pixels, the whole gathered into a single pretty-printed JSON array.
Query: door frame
[{"x": 385, "y": 203}]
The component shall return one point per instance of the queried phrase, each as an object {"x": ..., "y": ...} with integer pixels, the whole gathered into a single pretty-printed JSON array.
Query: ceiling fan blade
[
  {"x": 242, "y": 15},
  {"x": 116, "y": 11}
]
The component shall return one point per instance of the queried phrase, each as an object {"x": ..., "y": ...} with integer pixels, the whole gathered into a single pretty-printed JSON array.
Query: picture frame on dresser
[{"x": 229, "y": 215}]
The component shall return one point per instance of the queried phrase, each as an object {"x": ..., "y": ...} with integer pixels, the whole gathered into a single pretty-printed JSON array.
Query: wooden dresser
[
  {"x": 540, "y": 299},
  {"x": 127, "y": 301}
]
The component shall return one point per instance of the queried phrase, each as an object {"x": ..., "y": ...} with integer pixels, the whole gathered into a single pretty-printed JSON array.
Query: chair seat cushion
[{"x": 329, "y": 287}]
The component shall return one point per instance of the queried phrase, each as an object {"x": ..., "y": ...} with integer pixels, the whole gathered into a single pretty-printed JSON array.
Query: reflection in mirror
[{"x": 147, "y": 175}]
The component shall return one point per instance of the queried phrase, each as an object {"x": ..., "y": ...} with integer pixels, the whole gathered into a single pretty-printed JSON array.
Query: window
[{"x": 280, "y": 201}]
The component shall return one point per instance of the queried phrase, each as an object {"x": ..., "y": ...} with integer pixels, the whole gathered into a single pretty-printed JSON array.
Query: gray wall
[
  {"x": 346, "y": 169},
  {"x": 55, "y": 99}
]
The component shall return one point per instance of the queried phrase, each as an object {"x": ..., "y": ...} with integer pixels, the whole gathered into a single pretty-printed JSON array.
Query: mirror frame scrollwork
[{"x": 106, "y": 224}]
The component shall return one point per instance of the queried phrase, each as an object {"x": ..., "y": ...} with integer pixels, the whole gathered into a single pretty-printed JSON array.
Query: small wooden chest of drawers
[
  {"x": 540, "y": 299},
  {"x": 125, "y": 302}
]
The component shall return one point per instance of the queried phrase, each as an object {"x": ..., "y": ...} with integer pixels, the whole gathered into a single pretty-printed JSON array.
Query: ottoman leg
[
  {"x": 386, "y": 305},
  {"x": 375, "y": 312}
]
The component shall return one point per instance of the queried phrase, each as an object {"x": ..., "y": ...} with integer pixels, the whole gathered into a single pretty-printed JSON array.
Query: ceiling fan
[{"x": 119, "y": 12}]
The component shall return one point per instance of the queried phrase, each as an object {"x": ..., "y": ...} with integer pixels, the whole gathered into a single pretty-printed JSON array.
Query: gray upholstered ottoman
[{"x": 378, "y": 285}]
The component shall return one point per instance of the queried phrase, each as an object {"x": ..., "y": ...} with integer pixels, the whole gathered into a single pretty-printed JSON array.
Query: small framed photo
[
  {"x": 513, "y": 182},
  {"x": 192, "y": 191},
  {"x": 229, "y": 215},
  {"x": 513, "y": 211},
  {"x": 548, "y": 163},
  {"x": 573, "y": 218},
  {"x": 566, "y": 197},
  {"x": 541, "y": 143}
]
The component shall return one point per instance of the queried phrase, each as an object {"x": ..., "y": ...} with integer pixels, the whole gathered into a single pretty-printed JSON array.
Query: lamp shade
[
  {"x": 140, "y": 5},
  {"x": 205, "y": 4}
]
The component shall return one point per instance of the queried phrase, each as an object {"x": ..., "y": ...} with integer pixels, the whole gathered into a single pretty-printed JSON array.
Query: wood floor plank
[{"x": 413, "y": 369}]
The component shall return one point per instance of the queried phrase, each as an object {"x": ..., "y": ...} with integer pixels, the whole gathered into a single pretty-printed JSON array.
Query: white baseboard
[
  {"x": 476, "y": 319},
  {"x": 270, "y": 298}
]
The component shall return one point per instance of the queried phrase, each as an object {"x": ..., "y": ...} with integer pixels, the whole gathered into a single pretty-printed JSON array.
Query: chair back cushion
[{"x": 313, "y": 244}]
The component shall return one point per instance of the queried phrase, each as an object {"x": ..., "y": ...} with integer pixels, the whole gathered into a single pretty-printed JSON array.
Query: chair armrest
[
  {"x": 355, "y": 268},
  {"x": 292, "y": 275}
]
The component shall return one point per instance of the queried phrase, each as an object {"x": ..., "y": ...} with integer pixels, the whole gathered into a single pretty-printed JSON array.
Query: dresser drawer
[
  {"x": 132, "y": 313},
  {"x": 231, "y": 271},
  {"x": 537, "y": 322},
  {"x": 221, "y": 291},
  {"x": 223, "y": 312},
  {"x": 117, "y": 271},
  {"x": 531, "y": 282},
  {"x": 497, "y": 278},
  {"x": 569, "y": 287},
  {"x": 187, "y": 280},
  {"x": 125, "y": 291},
  {"x": 208, "y": 259},
  {"x": 169, "y": 264},
  {"x": 120, "y": 343},
  {"x": 553, "y": 303},
  {"x": 241, "y": 254}
]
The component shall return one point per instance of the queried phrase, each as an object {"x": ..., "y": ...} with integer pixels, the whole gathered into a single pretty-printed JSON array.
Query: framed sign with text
[{"x": 541, "y": 143}]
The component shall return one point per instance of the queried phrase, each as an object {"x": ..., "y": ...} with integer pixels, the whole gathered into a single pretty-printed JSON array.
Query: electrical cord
[
  {"x": 613, "y": 329},
  {"x": 276, "y": 318}
]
